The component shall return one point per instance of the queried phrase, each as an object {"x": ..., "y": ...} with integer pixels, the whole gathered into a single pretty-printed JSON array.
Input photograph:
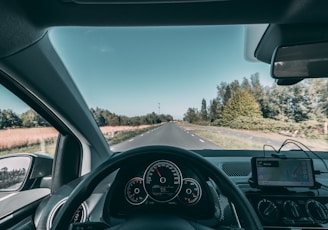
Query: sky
[{"x": 139, "y": 70}]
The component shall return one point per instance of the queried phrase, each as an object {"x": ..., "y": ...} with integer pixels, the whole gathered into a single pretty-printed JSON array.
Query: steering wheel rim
[{"x": 89, "y": 183}]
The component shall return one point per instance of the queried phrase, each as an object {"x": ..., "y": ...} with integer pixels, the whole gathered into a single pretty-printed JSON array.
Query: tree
[
  {"x": 221, "y": 92},
  {"x": 165, "y": 118},
  {"x": 98, "y": 116},
  {"x": 214, "y": 110},
  {"x": 191, "y": 115},
  {"x": 203, "y": 110},
  {"x": 9, "y": 119},
  {"x": 298, "y": 102},
  {"x": 301, "y": 105},
  {"x": 258, "y": 91},
  {"x": 241, "y": 104},
  {"x": 319, "y": 89},
  {"x": 257, "y": 88},
  {"x": 226, "y": 91},
  {"x": 245, "y": 85},
  {"x": 115, "y": 121},
  {"x": 32, "y": 119},
  {"x": 278, "y": 103},
  {"x": 235, "y": 87}
]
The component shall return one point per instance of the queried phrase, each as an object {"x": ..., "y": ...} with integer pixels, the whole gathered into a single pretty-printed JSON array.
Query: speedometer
[{"x": 162, "y": 180}]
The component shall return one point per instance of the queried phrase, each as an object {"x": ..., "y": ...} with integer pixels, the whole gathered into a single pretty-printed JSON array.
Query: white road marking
[
  {"x": 192, "y": 135},
  {"x": 131, "y": 140},
  {"x": 201, "y": 140},
  {"x": 141, "y": 135}
]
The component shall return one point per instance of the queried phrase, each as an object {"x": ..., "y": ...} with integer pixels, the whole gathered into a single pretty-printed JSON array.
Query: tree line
[
  {"x": 305, "y": 101},
  {"x": 28, "y": 119},
  {"x": 103, "y": 117}
]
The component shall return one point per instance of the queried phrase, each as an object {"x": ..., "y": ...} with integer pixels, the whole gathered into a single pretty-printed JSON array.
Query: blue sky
[{"x": 130, "y": 70}]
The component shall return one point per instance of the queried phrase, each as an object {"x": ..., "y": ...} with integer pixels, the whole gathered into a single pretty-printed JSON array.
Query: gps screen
[{"x": 283, "y": 172}]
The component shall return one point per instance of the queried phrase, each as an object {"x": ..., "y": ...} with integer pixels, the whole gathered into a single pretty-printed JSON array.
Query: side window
[{"x": 27, "y": 145}]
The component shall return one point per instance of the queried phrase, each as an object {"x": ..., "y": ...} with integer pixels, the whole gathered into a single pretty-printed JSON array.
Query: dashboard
[{"x": 169, "y": 185}]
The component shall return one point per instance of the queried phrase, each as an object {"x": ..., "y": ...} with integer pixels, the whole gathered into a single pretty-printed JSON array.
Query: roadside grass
[
  {"x": 222, "y": 137},
  {"x": 126, "y": 135},
  {"x": 227, "y": 141}
]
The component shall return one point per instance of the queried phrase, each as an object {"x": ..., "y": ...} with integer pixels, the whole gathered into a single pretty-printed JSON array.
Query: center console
[{"x": 283, "y": 192}]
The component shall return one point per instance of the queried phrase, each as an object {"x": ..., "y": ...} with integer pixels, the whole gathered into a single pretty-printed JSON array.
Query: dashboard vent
[{"x": 237, "y": 168}]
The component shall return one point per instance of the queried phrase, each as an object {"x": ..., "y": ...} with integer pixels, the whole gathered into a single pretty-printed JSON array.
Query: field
[
  {"x": 43, "y": 140},
  {"x": 10, "y": 138}
]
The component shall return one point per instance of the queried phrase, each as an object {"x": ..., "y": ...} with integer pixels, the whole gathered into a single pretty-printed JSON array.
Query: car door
[{"x": 27, "y": 149}]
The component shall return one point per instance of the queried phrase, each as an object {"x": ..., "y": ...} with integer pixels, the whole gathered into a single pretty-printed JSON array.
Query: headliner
[{"x": 25, "y": 22}]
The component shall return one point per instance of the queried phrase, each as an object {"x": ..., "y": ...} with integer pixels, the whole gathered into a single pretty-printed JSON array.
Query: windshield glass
[{"x": 195, "y": 82}]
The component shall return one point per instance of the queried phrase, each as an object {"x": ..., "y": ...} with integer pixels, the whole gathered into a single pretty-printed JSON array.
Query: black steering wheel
[{"x": 160, "y": 221}]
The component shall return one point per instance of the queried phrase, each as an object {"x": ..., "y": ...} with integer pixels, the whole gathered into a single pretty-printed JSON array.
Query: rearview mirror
[{"x": 300, "y": 61}]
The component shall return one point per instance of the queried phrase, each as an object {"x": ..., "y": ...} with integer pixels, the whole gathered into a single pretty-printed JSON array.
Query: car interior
[{"x": 87, "y": 184}]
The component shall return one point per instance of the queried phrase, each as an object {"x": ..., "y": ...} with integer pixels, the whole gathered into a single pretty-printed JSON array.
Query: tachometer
[
  {"x": 135, "y": 193},
  {"x": 163, "y": 180},
  {"x": 191, "y": 191}
]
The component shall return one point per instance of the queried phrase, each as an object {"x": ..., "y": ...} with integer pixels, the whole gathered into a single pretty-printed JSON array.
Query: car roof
[{"x": 25, "y": 22}]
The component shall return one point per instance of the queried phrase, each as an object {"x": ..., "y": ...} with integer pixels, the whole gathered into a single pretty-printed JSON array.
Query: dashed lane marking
[{"x": 201, "y": 140}]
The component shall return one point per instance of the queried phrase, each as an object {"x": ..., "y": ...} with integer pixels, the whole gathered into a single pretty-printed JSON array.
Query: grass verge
[
  {"x": 227, "y": 141},
  {"x": 126, "y": 135},
  {"x": 249, "y": 139}
]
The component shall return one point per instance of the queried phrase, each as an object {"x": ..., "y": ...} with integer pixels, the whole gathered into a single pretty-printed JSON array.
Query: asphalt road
[{"x": 168, "y": 134}]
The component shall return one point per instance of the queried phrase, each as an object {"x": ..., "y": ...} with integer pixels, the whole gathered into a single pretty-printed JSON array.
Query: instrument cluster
[
  {"x": 164, "y": 185},
  {"x": 163, "y": 182}
]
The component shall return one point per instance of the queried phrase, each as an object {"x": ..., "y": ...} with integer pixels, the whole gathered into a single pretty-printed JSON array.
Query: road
[{"x": 167, "y": 134}]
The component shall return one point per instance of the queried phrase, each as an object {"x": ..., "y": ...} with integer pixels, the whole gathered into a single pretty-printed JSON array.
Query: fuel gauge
[
  {"x": 135, "y": 193},
  {"x": 191, "y": 192}
]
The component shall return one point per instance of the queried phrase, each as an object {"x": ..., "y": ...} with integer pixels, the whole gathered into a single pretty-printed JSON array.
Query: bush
[
  {"x": 262, "y": 124},
  {"x": 241, "y": 104},
  {"x": 311, "y": 128},
  {"x": 203, "y": 123}
]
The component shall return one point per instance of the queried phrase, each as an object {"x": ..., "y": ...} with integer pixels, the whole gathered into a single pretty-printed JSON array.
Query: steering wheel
[{"x": 160, "y": 221}]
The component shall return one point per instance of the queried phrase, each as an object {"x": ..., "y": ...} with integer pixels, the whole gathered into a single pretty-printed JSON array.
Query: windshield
[{"x": 194, "y": 81}]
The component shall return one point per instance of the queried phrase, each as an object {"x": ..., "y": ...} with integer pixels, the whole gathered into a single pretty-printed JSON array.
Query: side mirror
[
  {"x": 294, "y": 63},
  {"x": 23, "y": 171}
]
